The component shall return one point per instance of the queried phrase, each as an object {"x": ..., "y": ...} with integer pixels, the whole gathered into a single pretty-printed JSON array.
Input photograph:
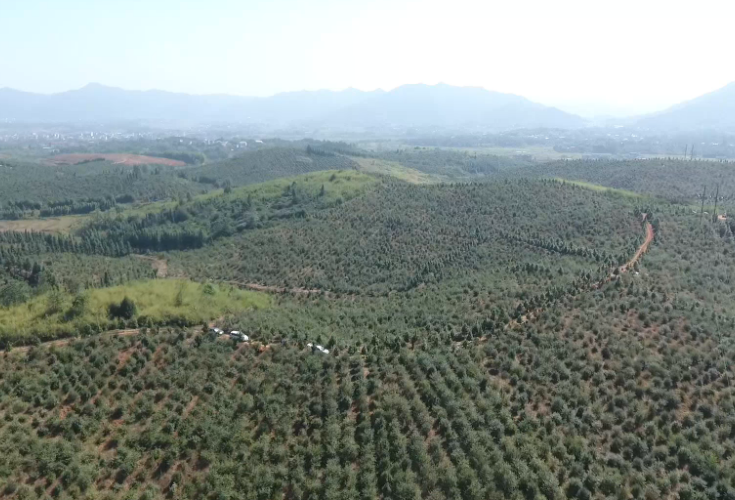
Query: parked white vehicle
[
  {"x": 317, "y": 348},
  {"x": 237, "y": 335}
]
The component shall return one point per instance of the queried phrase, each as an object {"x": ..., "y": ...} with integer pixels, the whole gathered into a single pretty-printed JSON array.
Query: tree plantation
[{"x": 422, "y": 324}]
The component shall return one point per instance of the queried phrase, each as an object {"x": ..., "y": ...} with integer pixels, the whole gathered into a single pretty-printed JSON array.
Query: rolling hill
[
  {"x": 407, "y": 106},
  {"x": 715, "y": 110}
]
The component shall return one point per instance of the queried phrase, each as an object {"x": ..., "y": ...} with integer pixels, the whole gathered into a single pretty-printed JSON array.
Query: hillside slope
[{"x": 715, "y": 110}]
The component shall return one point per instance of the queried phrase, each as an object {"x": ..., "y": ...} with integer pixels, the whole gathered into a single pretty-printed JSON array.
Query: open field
[
  {"x": 115, "y": 158},
  {"x": 395, "y": 169},
  {"x": 50, "y": 225},
  {"x": 51, "y": 314}
]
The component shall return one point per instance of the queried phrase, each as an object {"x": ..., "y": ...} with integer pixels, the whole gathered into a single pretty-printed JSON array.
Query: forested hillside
[
  {"x": 29, "y": 190},
  {"x": 677, "y": 180},
  {"x": 271, "y": 163},
  {"x": 26, "y": 185},
  {"x": 401, "y": 236},
  {"x": 515, "y": 338}
]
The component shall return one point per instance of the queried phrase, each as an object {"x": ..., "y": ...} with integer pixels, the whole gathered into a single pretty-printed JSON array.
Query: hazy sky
[{"x": 591, "y": 55}]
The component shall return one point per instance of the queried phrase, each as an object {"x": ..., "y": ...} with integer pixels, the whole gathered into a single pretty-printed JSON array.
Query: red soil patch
[
  {"x": 64, "y": 411},
  {"x": 116, "y": 158},
  {"x": 124, "y": 356}
]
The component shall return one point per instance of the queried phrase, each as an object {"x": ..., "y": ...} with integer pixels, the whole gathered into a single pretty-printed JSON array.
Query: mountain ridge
[
  {"x": 713, "y": 110},
  {"x": 413, "y": 105}
]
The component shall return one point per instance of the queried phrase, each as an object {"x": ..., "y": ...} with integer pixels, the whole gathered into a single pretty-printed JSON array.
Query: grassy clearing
[
  {"x": 597, "y": 187},
  {"x": 51, "y": 225},
  {"x": 344, "y": 184},
  {"x": 397, "y": 170},
  {"x": 539, "y": 153},
  {"x": 162, "y": 301}
]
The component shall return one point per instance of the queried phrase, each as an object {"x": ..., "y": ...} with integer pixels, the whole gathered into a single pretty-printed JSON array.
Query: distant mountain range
[
  {"x": 409, "y": 106},
  {"x": 712, "y": 111}
]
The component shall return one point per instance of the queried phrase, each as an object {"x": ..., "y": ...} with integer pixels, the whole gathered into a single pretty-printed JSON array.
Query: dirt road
[
  {"x": 641, "y": 249},
  {"x": 66, "y": 341}
]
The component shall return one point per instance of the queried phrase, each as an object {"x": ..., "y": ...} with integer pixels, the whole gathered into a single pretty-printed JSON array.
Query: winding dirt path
[{"x": 641, "y": 249}]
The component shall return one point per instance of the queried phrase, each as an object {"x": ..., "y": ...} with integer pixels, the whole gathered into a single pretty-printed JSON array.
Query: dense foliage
[
  {"x": 195, "y": 222},
  {"x": 676, "y": 180},
  {"x": 31, "y": 189},
  {"x": 267, "y": 164},
  {"x": 401, "y": 236},
  {"x": 31, "y": 186}
]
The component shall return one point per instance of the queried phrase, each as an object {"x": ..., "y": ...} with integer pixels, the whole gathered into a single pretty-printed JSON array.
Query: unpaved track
[
  {"x": 650, "y": 234},
  {"x": 641, "y": 249},
  {"x": 66, "y": 341}
]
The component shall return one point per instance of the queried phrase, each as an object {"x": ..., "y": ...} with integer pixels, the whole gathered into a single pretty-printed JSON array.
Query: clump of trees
[{"x": 126, "y": 309}]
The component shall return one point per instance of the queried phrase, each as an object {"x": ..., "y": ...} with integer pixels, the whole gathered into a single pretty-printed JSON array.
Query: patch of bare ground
[
  {"x": 64, "y": 411},
  {"x": 124, "y": 356},
  {"x": 158, "y": 265},
  {"x": 116, "y": 158}
]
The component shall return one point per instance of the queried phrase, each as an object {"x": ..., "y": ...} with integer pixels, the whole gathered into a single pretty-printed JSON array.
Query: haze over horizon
[
  {"x": 585, "y": 109},
  {"x": 593, "y": 60}
]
